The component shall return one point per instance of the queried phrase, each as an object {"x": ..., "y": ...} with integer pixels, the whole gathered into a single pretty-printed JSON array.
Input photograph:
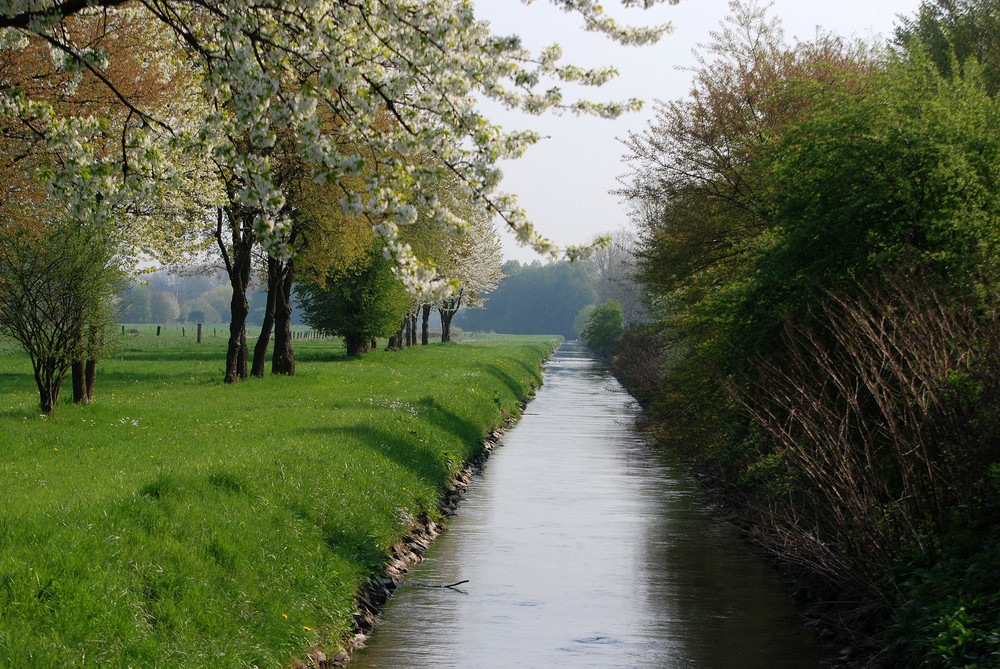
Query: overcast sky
[{"x": 563, "y": 181}]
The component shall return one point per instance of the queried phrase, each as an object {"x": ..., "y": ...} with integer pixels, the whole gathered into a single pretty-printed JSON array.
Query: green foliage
[
  {"x": 178, "y": 522},
  {"x": 603, "y": 329},
  {"x": 535, "y": 299},
  {"x": 901, "y": 174},
  {"x": 56, "y": 290},
  {"x": 358, "y": 302},
  {"x": 820, "y": 235},
  {"x": 954, "y": 33},
  {"x": 948, "y": 613},
  {"x": 137, "y": 303}
]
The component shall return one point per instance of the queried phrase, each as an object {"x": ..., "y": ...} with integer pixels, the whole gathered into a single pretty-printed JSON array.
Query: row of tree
[
  {"x": 292, "y": 135},
  {"x": 819, "y": 245},
  {"x": 131, "y": 134}
]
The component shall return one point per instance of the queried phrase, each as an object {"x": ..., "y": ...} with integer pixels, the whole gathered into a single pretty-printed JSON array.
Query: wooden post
[
  {"x": 199, "y": 333},
  {"x": 157, "y": 330},
  {"x": 183, "y": 332}
]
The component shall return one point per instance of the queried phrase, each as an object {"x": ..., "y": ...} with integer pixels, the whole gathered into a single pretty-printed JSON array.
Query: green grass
[{"x": 180, "y": 522}]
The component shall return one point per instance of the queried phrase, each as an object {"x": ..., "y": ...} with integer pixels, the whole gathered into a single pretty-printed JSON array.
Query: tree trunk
[
  {"x": 48, "y": 377},
  {"x": 78, "y": 374},
  {"x": 237, "y": 353},
  {"x": 448, "y": 308},
  {"x": 446, "y": 324},
  {"x": 407, "y": 331},
  {"x": 413, "y": 327},
  {"x": 90, "y": 375},
  {"x": 238, "y": 268},
  {"x": 396, "y": 341},
  {"x": 260, "y": 349},
  {"x": 425, "y": 329},
  {"x": 283, "y": 360},
  {"x": 354, "y": 344}
]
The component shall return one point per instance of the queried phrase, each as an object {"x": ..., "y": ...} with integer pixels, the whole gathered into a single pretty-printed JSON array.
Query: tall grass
[{"x": 180, "y": 522}]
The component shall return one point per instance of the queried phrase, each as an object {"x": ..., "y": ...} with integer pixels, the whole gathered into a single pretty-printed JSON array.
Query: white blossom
[{"x": 273, "y": 64}]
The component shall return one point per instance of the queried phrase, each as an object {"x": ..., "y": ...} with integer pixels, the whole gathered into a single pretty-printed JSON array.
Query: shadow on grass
[
  {"x": 518, "y": 389},
  {"x": 346, "y": 541},
  {"x": 449, "y": 421},
  {"x": 174, "y": 354},
  {"x": 406, "y": 451}
]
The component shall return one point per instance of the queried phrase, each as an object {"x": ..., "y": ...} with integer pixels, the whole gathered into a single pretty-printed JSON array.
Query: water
[{"x": 583, "y": 547}]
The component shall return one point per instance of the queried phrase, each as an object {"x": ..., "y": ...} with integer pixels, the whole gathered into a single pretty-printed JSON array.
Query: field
[{"x": 180, "y": 522}]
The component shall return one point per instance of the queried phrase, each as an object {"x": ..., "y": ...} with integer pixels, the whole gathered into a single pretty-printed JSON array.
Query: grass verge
[{"x": 179, "y": 522}]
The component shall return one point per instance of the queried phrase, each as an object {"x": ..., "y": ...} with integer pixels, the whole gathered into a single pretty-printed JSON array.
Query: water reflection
[{"x": 585, "y": 548}]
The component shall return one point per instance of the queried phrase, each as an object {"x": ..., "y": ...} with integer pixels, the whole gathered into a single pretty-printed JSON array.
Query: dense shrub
[{"x": 603, "y": 329}]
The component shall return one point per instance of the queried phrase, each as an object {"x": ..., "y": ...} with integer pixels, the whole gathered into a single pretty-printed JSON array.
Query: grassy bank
[{"x": 179, "y": 522}]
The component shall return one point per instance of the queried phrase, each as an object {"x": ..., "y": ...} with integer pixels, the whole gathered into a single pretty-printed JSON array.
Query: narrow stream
[{"x": 583, "y": 547}]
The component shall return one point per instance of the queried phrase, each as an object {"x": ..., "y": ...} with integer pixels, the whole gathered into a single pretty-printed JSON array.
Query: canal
[{"x": 584, "y": 547}]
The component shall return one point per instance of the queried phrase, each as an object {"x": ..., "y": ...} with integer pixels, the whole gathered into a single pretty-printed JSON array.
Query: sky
[{"x": 563, "y": 182}]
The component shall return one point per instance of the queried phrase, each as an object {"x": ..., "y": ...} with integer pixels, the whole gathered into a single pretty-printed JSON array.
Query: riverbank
[
  {"x": 928, "y": 603},
  {"x": 581, "y": 546},
  {"x": 180, "y": 522},
  {"x": 408, "y": 552}
]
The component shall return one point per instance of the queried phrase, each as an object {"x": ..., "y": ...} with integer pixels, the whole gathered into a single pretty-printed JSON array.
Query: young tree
[
  {"x": 476, "y": 259},
  {"x": 84, "y": 181},
  {"x": 358, "y": 302},
  {"x": 56, "y": 285},
  {"x": 164, "y": 307},
  {"x": 603, "y": 329}
]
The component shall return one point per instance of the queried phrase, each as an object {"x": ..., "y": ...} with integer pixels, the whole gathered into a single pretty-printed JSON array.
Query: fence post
[{"x": 199, "y": 333}]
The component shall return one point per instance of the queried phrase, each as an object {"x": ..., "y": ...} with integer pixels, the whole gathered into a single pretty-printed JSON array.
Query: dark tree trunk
[
  {"x": 283, "y": 360},
  {"x": 84, "y": 370},
  {"x": 238, "y": 268},
  {"x": 355, "y": 344},
  {"x": 78, "y": 374},
  {"x": 396, "y": 341},
  {"x": 413, "y": 327},
  {"x": 90, "y": 375},
  {"x": 425, "y": 329},
  {"x": 448, "y": 309},
  {"x": 48, "y": 377},
  {"x": 407, "y": 330},
  {"x": 446, "y": 324},
  {"x": 260, "y": 349}
]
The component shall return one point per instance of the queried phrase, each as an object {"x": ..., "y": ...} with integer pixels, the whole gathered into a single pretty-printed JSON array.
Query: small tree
[
  {"x": 603, "y": 329},
  {"x": 358, "y": 302},
  {"x": 56, "y": 284}
]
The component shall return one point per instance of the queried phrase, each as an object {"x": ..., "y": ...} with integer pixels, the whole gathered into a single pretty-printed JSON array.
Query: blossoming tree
[{"x": 269, "y": 64}]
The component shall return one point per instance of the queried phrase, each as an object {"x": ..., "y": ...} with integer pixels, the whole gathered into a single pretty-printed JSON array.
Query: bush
[{"x": 603, "y": 329}]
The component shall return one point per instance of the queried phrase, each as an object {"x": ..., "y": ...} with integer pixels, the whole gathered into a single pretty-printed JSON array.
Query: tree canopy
[{"x": 266, "y": 67}]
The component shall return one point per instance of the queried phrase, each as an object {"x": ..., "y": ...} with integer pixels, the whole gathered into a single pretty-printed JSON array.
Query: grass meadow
[{"x": 180, "y": 522}]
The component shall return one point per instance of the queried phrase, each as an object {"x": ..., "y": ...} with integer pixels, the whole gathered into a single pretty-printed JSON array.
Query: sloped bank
[
  {"x": 182, "y": 523},
  {"x": 406, "y": 553}
]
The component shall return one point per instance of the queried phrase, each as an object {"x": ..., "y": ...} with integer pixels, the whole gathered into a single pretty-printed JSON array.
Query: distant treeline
[
  {"x": 202, "y": 297},
  {"x": 556, "y": 298}
]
